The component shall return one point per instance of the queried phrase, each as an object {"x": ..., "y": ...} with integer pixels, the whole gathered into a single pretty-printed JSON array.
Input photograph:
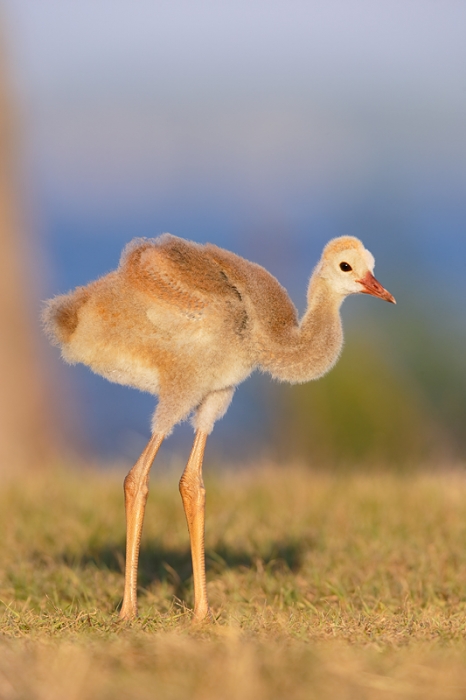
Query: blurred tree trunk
[{"x": 24, "y": 418}]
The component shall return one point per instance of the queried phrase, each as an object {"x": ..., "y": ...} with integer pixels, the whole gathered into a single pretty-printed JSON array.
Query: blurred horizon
[{"x": 266, "y": 128}]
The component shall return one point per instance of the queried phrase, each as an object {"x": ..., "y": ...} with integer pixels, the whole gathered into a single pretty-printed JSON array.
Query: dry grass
[{"x": 322, "y": 586}]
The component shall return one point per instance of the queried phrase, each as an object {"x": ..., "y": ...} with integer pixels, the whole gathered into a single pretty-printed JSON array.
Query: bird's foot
[
  {"x": 202, "y": 615},
  {"x": 128, "y": 613}
]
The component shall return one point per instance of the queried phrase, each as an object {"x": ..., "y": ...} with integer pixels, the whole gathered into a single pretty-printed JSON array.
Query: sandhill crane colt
[{"x": 188, "y": 323}]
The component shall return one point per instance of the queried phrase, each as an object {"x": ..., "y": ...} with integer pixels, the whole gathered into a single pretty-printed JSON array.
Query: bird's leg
[
  {"x": 193, "y": 494},
  {"x": 136, "y": 490}
]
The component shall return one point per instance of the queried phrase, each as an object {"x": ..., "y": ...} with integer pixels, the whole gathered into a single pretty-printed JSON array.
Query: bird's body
[
  {"x": 181, "y": 320},
  {"x": 188, "y": 323}
]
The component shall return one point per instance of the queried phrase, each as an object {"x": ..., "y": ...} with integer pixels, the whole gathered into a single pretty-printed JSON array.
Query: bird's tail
[{"x": 60, "y": 316}]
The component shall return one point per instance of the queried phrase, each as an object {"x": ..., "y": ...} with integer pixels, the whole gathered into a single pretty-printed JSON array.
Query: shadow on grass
[{"x": 160, "y": 563}]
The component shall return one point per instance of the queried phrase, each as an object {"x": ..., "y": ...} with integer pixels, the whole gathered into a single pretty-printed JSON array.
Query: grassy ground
[{"x": 322, "y": 586}]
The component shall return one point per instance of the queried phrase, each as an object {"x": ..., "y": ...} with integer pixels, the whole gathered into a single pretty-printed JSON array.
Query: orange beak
[{"x": 371, "y": 286}]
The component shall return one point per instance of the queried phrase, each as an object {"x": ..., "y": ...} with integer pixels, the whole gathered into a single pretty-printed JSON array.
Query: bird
[{"x": 188, "y": 322}]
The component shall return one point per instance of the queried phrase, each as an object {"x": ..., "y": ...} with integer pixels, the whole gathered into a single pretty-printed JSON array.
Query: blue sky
[{"x": 266, "y": 101}]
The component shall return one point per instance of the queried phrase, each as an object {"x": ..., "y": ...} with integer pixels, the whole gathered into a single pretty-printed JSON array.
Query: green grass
[{"x": 322, "y": 586}]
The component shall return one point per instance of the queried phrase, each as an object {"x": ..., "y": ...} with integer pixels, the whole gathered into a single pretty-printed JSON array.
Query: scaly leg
[
  {"x": 136, "y": 490},
  {"x": 193, "y": 494}
]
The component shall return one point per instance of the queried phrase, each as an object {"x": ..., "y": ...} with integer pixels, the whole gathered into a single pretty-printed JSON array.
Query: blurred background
[{"x": 266, "y": 128}]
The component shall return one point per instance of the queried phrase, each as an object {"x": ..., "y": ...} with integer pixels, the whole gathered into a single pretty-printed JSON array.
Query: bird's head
[{"x": 348, "y": 267}]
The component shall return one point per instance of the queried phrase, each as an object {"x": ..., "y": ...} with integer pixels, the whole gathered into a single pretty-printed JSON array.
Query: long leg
[
  {"x": 193, "y": 494},
  {"x": 136, "y": 490}
]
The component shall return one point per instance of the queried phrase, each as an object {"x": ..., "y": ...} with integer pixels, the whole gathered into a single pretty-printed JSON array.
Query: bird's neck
[{"x": 310, "y": 349}]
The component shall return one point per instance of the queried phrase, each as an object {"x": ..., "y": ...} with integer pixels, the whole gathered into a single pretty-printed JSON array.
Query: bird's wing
[
  {"x": 266, "y": 301},
  {"x": 177, "y": 273}
]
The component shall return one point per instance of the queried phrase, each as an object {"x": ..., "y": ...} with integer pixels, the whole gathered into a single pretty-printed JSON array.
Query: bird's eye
[{"x": 345, "y": 267}]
